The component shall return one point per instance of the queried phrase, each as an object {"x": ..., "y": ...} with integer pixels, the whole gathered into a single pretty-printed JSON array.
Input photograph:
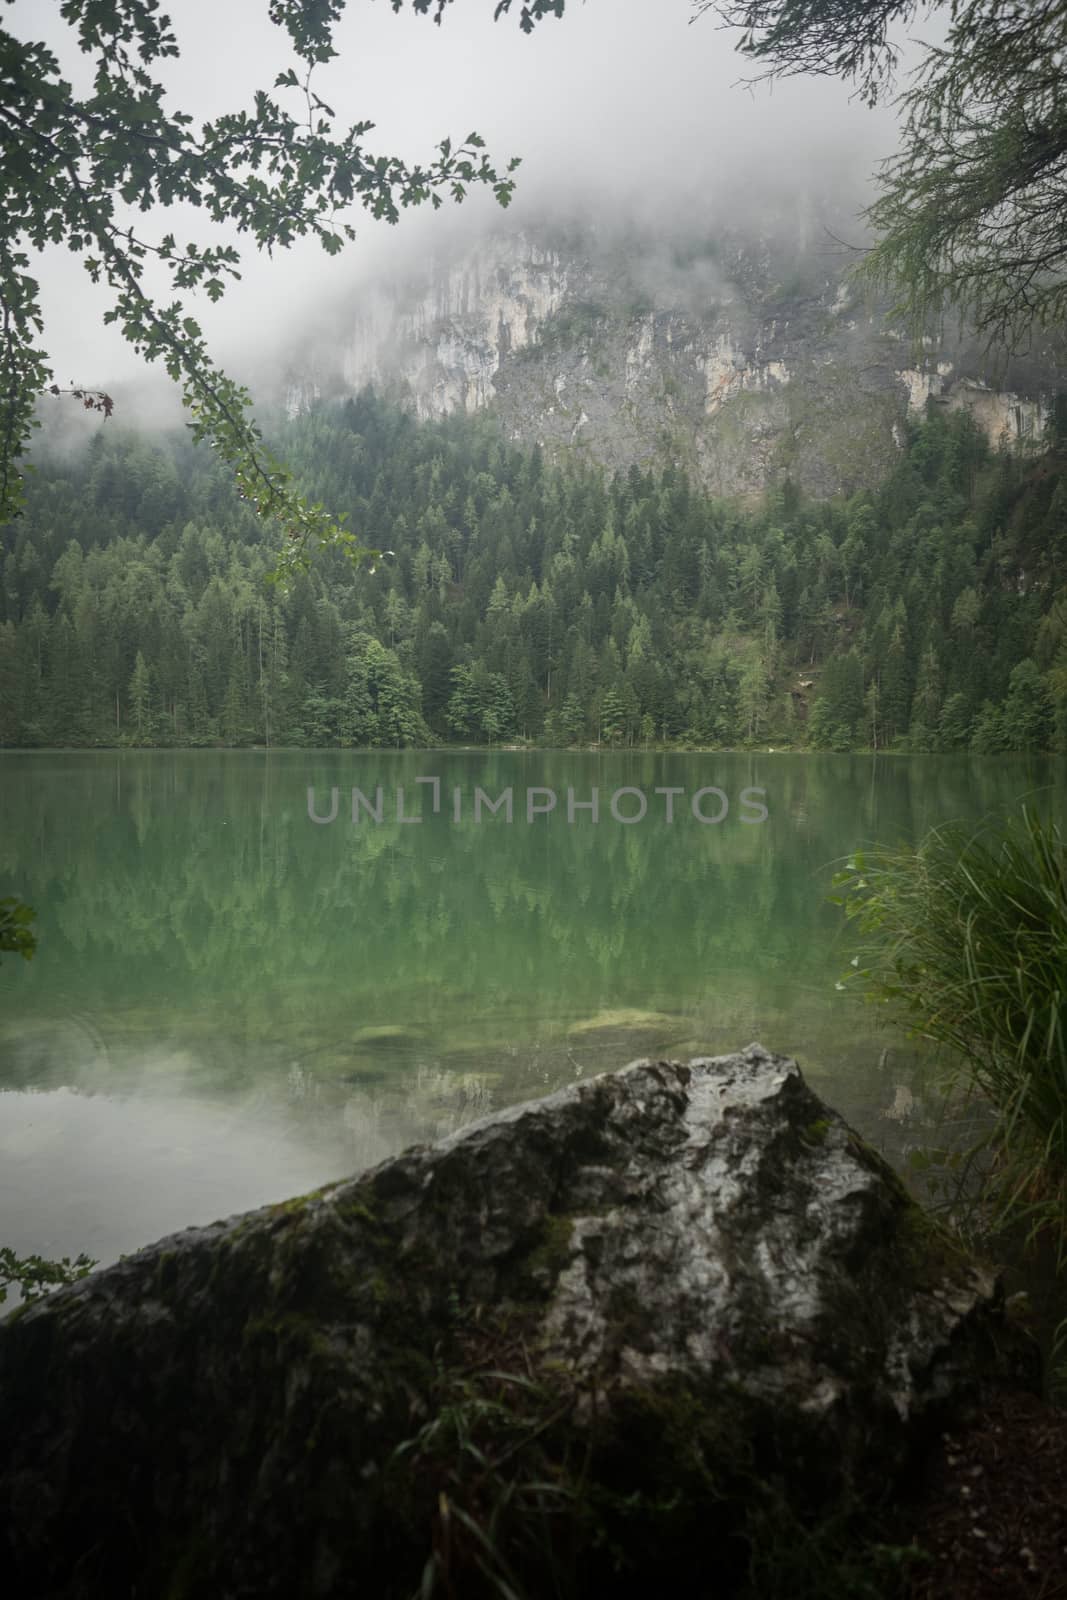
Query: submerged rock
[
  {"x": 624, "y": 1019},
  {"x": 616, "y": 1334}
]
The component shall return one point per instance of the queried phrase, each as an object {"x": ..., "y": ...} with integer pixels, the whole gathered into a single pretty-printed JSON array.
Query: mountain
[
  {"x": 743, "y": 357},
  {"x": 900, "y": 585}
]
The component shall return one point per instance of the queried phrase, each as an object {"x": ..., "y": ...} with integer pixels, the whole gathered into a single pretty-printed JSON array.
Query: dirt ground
[{"x": 993, "y": 1517}]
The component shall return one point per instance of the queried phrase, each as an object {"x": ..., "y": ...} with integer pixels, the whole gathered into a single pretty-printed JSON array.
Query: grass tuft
[{"x": 965, "y": 936}]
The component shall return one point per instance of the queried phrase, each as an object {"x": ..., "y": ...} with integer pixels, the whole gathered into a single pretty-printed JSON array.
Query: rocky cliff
[
  {"x": 642, "y": 1334},
  {"x": 744, "y": 359}
]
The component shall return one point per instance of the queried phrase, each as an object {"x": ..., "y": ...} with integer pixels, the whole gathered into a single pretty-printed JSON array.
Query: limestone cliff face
[
  {"x": 745, "y": 361},
  {"x": 450, "y": 337}
]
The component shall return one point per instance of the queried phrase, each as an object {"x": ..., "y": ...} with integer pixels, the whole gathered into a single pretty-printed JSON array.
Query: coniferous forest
[{"x": 524, "y": 601}]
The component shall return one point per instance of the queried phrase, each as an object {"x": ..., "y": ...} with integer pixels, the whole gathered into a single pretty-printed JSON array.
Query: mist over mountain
[
  {"x": 664, "y": 289},
  {"x": 620, "y": 111},
  {"x": 728, "y": 344}
]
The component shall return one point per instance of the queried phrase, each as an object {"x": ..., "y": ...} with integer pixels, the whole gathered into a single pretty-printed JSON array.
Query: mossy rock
[
  {"x": 576, "y": 1348},
  {"x": 388, "y": 1036},
  {"x": 624, "y": 1019}
]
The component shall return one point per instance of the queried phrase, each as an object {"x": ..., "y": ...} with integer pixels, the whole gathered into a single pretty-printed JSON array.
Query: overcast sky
[{"x": 621, "y": 104}]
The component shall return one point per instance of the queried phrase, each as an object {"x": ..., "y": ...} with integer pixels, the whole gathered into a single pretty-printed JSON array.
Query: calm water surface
[{"x": 232, "y": 1002}]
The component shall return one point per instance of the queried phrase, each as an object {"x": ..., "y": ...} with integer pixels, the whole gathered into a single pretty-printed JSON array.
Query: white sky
[{"x": 621, "y": 105}]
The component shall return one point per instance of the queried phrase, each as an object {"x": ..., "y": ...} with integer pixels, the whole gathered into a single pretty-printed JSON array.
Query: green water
[{"x": 232, "y": 1002}]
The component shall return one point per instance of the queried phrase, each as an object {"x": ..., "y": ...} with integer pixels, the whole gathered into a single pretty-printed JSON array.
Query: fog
[{"x": 625, "y": 112}]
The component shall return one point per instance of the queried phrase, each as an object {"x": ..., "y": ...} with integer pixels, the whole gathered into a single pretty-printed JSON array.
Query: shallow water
[{"x": 232, "y": 1002}]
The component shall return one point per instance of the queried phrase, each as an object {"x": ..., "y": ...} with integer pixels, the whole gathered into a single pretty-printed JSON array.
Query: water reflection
[{"x": 231, "y": 1003}]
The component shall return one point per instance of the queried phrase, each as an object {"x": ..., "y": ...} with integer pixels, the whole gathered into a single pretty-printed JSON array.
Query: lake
[{"x": 233, "y": 1002}]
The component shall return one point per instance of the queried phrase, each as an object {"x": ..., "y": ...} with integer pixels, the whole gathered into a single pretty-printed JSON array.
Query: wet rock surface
[{"x": 571, "y": 1344}]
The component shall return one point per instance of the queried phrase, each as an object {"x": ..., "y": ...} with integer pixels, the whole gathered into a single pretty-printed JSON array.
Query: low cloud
[{"x": 626, "y": 115}]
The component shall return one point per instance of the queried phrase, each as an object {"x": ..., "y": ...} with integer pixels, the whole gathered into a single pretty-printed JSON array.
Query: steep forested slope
[{"x": 523, "y": 601}]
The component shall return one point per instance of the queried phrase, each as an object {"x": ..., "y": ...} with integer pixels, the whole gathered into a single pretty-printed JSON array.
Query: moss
[
  {"x": 296, "y": 1205},
  {"x": 816, "y": 1132},
  {"x": 361, "y": 1210},
  {"x": 553, "y": 1249},
  {"x": 876, "y": 1163},
  {"x": 289, "y": 1208},
  {"x": 166, "y": 1274},
  {"x": 926, "y": 1250},
  {"x": 287, "y": 1327},
  {"x": 382, "y": 1291}
]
